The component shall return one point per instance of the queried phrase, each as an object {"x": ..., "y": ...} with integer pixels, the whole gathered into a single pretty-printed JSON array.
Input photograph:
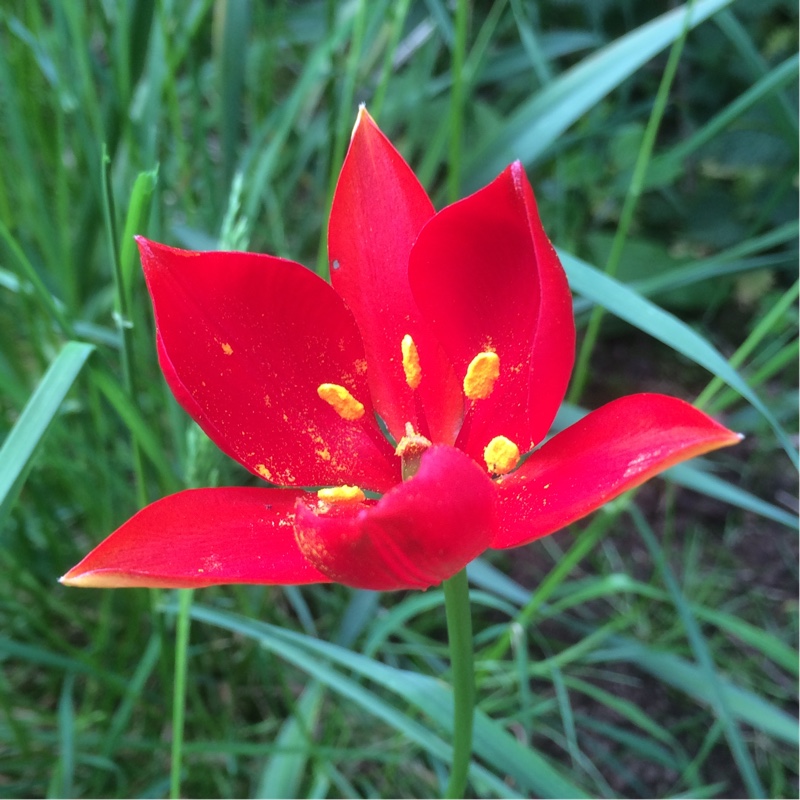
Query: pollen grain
[
  {"x": 411, "y": 365},
  {"x": 342, "y": 402},
  {"x": 482, "y": 373}
]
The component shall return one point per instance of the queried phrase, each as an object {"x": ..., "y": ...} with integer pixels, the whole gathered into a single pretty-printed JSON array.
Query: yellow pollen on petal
[
  {"x": 411, "y": 362},
  {"x": 226, "y": 348},
  {"x": 501, "y": 455},
  {"x": 341, "y": 494},
  {"x": 263, "y": 472},
  {"x": 343, "y": 403},
  {"x": 482, "y": 373}
]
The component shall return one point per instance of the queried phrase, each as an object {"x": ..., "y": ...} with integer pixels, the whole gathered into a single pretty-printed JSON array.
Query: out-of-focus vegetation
[{"x": 652, "y": 647}]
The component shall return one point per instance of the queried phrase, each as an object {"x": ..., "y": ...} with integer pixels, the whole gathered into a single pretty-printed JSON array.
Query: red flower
[{"x": 454, "y": 328}]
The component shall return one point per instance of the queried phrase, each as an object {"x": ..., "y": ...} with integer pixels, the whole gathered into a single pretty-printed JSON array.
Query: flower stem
[
  {"x": 459, "y": 631},
  {"x": 179, "y": 689}
]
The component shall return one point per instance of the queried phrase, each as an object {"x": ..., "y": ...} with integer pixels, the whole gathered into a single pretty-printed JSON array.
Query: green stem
[
  {"x": 179, "y": 691},
  {"x": 459, "y": 631}
]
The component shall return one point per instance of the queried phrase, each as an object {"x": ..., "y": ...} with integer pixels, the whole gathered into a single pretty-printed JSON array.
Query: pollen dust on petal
[
  {"x": 263, "y": 472},
  {"x": 226, "y": 348}
]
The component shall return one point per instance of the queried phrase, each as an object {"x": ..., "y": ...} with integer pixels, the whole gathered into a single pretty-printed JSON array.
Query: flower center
[
  {"x": 482, "y": 373},
  {"x": 410, "y": 449},
  {"x": 342, "y": 402}
]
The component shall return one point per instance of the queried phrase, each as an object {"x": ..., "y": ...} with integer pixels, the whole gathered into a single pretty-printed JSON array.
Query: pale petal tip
[
  {"x": 92, "y": 579},
  {"x": 363, "y": 115},
  {"x": 72, "y": 579}
]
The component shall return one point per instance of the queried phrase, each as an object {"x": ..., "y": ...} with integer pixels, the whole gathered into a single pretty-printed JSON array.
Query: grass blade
[
  {"x": 30, "y": 429},
  {"x": 628, "y": 305},
  {"x": 703, "y": 655},
  {"x": 492, "y": 743},
  {"x": 542, "y": 120}
]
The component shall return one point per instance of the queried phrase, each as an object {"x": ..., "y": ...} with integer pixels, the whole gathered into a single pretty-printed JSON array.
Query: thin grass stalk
[
  {"x": 581, "y": 373},
  {"x": 398, "y": 21},
  {"x": 122, "y": 317},
  {"x": 457, "y": 101},
  {"x": 344, "y": 123},
  {"x": 755, "y": 338},
  {"x": 703, "y": 657},
  {"x": 582, "y": 546},
  {"x": 28, "y": 272},
  {"x": 786, "y": 358}
]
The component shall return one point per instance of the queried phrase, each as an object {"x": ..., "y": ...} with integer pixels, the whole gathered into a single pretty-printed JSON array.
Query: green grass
[{"x": 650, "y": 650}]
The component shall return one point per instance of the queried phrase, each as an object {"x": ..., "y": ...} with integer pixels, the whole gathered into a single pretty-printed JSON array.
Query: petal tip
[
  {"x": 77, "y": 579},
  {"x": 143, "y": 243},
  {"x": 362, "y": 116}
]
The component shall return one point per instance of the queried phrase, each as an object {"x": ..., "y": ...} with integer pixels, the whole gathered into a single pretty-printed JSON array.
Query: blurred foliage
[{"x": 638, "y": 665}]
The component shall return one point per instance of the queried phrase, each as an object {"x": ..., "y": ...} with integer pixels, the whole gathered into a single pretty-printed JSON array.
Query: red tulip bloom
[{"x": 455, "y": 329}]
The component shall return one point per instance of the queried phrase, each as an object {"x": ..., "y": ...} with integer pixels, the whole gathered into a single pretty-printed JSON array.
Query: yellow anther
[
  {"x": 482, "y": 373},
  {"x": 344, "y": 404},
  {"x": 341, "y": 495},
  {"x": 501, "y": 455},
  {"x": 411, "y": 362}
]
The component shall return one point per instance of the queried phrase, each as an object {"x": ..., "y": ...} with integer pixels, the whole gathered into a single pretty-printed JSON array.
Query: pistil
[{"x": 410, "y": 449}]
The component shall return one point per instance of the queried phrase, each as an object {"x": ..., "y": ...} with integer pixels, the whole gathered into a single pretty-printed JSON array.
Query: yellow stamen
[
  {"x": 481, "y": 375},
  {"x": 501, "y": 455},
  {"x": 411, "y": 362},
  {"x": 344, "y": 404},
  {"x": 341, "y": 494}
]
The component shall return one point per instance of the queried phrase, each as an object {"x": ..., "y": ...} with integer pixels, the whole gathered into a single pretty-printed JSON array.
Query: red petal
[
  {"x": 611, "y": 450},
  {"x": 244, "y": 342},
  {"x": 422, "y": 532},
  {"x": 485, "y": 275},
  {"x": 202, "y": 537},
  {"x": 378, "y": 211}
]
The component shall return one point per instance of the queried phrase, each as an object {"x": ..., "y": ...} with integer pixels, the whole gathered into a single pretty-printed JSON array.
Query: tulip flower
[{"x": 417, "y": 389}]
